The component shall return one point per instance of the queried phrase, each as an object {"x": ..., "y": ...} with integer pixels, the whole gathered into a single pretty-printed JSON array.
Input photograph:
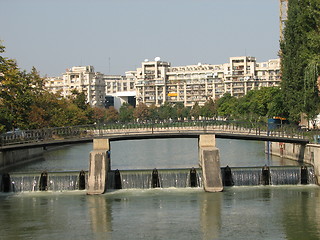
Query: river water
[
  {"x": 157, "y": 153},
  {"x": 257, "y": 212}
]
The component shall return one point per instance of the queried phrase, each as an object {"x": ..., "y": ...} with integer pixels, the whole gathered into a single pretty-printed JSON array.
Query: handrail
[{"x": 85, "y": 131}]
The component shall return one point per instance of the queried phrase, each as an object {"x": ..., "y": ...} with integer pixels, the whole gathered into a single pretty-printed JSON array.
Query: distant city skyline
[{"x": 117, "y": 35}]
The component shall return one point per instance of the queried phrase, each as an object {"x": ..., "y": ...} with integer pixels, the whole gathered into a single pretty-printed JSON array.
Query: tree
[
  {"x": 153, "y": 112},
  {"x": 79, "y": 99},
  {"x": 126, "y": 113},
  {"x": 112, "y": 114},
  {"x": 141, "y": 112},
  {"x": 209, "y": 109},
  {"x": 165, "y": 111},
  {"x": 99, "y": 115},
  {"x": 195, "y": 111},
  {"x": 179, "y": 110},
  {"x": 300, "y": 47},
  {"x": 227, "y": 106}
]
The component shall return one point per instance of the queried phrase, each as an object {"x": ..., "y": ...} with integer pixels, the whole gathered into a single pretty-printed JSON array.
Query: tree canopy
[{"x": 300, "y": 50}]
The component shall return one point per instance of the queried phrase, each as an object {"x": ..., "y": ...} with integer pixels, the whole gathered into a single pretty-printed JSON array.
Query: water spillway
[
  {"x": 163, "y": 178},
  {"x": 45, "y": 181},
  {"x": 159, "y": 178},
  {"x": 244, "y": 176}
]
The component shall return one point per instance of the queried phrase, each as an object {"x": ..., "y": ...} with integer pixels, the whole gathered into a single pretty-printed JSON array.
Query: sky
[{"x": 115, "y": 36}]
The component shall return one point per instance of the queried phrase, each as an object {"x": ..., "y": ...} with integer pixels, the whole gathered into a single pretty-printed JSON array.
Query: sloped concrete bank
[
  {"x": 16, "y": 157},
  {"x": 304, "y": 153}
]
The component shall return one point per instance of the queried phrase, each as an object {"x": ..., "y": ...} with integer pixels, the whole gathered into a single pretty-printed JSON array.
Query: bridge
[
  {"x": 117, "y": 132},
  {"x": 101, "y": 135}
]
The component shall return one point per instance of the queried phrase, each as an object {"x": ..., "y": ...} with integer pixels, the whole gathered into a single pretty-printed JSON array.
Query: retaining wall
[
  {"x": 309, "y": 153},
  {"x": 15, "y": 157}
]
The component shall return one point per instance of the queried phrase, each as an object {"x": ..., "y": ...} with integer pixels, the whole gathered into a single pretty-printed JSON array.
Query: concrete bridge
[
  {"x": 27, "y": 145},
  {"x": 78, "y": 134},
  {"x": 18, "y": 148}
]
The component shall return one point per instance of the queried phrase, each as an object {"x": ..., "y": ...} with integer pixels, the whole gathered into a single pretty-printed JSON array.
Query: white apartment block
[
  {"x": 157, "y": 82},
  {"x": 95, "y": 85},
  {"x": 82, "y": 79}
]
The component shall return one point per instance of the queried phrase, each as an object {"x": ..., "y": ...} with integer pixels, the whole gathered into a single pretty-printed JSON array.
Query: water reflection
[
  {"x": 210, "y": 215},
  {"x": 301, "y": 214},
  {"x": 100, "y": 211},
  {"x": 237, "y": 213}
]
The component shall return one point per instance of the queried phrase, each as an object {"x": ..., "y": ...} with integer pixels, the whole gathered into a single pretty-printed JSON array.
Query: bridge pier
[
  {"x": 98, "y": 167},
  {"x": 209, "y": 160}
]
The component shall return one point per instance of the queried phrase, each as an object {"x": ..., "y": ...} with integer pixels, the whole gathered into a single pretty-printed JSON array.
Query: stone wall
[{"x": 309, "y": 154}]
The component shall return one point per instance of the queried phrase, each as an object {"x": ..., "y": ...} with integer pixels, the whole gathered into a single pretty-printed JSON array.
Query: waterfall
[
  {"x": 165, "y": 178},
  {"x": 246, "y": 176},
  {"x": 277, "y": 176},
  {"x": 285, "y": 175},
  {"x": 25, "y": 182},
  {"x": 178, "y": 178},
  {"x": 63, "y": 182},
  {"x": 311, "y": 176},
  {"x": 136, "y": 179},
  {"x": 56, "y": 181}
]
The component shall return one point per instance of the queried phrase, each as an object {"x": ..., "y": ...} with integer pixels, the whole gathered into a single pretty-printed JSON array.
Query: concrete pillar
[
  {"x": 98, "y": 167},
  {"x": 209, "y": 160}
]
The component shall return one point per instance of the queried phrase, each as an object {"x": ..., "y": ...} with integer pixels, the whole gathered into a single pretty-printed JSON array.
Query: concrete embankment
[
  {"x": 309, "y": 153},
  {"x": 16, "y": 157}
]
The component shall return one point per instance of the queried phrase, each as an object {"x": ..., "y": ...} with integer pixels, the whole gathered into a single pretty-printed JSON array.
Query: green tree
[
  {"x": 153, "y": 112},
  {"x": 79, "y": 99},
  {"x": 165, "y": 111},
  {"x": 209, "y": 109},
  {"x": 227, "y": 106},
  {"x": 300, "y": 47},
  {"x": 126, "y": 113},
  {"x": 195, "y": 111},
  {"x": 179, "y": 110},
  {"x": 186, "y": 113}
]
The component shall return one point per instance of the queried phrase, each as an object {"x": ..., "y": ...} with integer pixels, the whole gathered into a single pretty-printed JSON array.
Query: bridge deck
[{"x": 127, "y": 135}]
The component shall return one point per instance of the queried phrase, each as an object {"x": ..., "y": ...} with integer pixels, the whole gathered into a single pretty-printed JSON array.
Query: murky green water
[
  {"x": 274, "y": 212},
  {"x": 157, "y": 153}
]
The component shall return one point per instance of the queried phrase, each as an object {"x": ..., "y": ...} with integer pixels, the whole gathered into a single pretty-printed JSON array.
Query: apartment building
[
  {"x": 157, "y": 82},
  {"x": 151, "y": 82},
  {"x": 120, "y": 89},
  {"x": 100, "y": 90},
  {"x": 82, "y": 79}
]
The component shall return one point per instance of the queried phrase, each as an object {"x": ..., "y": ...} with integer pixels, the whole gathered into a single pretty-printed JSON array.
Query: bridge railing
[{"x": 89, "y": 131}]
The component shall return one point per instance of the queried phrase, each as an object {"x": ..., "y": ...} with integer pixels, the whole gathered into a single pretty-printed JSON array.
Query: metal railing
[{"x": 90, "y": 131}]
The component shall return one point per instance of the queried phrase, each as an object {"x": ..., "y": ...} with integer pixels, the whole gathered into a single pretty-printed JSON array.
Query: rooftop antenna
[{"x": 109, "y": 64}]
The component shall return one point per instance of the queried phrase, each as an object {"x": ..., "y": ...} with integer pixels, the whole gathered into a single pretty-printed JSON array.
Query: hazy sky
[{"x": 115, "y": 36}]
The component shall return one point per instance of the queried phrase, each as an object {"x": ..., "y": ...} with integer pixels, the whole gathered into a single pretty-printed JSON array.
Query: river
[
  {"x": 257, "y": 212},
  {"x": 156, "y": 153}
]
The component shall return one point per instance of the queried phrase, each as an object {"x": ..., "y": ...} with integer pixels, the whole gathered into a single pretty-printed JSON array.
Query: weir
[
  {"x": 167, "y": 178},
  {"x": 46, "y": 181},
  {"x": 209, "y": 161}
]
